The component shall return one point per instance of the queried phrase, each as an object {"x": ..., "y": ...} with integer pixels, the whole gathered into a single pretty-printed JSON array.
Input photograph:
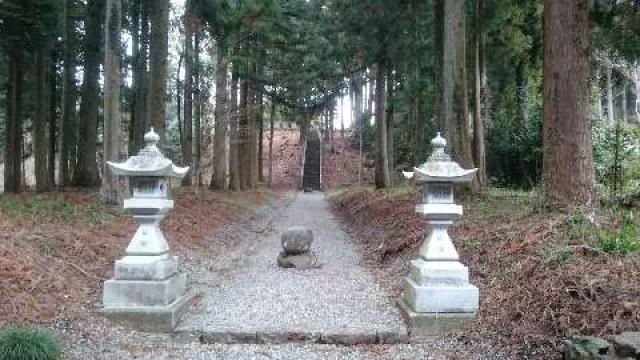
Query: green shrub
[
  {"x": 623, "y": 241},
  {"x": 29, "y": 343}
]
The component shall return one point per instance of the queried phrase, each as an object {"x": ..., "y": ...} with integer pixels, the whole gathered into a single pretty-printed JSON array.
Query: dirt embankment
[
  {"x": 56, "y": 249},
  {"x": 540, "y": 275}
]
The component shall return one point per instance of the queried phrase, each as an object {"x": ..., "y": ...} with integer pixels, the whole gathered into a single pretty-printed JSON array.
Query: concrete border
[{"x": 286, "y": 337}]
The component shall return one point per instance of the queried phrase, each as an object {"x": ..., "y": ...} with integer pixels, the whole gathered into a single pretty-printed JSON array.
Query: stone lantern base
[
  {"x": 438, "y": 297},
  {"x": 147, "y": 292}
]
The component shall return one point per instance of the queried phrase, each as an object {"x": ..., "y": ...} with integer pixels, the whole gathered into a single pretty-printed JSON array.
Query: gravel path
[
  {"x": 340, "y": 302},
  {"x": 245, "y": 292}
]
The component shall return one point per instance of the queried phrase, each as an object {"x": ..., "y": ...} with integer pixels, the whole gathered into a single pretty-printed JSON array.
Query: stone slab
[
  {"x": 145, "y": 267},
  {"x": 142, "y": 293},
  {"x": 451, "y": 273},
  {"x": 432, "y": 324},
  {"x": 441, "y": 298},
  {"x": 153, "y": 318},
  {"x": 304, "y": 261}
]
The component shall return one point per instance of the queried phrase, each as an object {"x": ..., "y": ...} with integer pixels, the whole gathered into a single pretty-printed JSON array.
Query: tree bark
[
  {"x": 111, "y": 190},
  {"x": 455, "y": 84},
  {"x": 479, "y": 156},
  {"x": 68, "y": 118},
  {"x": 140, "y": 79},
  {"x": 611, "y": 122},
  {"x": 40, "y": 123},
  {"x": 623, "y": 100},
  {"x": 234, "y": 143},
  {"x": 382, "y": 159},
  {"x": 271, "y": 132},
  {"x": 197, "y": 113},
  {"x": 568, "y": 171},
  {"x": 53, "y": 117},
  {"x": 187, "y": 130},
  {"x": 244, "y": 156},
  {"x": 260, "y": 124},
  {"x": 438, "y": 66},
  {"x": 13, "y": 127},
  {"x": 87, "y": 173},
  {"x": 388, "y": 114},
  {"x": 220, "y": 156},
  {"x": 158, "y": 63}
]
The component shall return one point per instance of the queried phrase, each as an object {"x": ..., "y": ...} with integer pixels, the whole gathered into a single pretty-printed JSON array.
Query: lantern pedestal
[{"x": 147, "y": 290}]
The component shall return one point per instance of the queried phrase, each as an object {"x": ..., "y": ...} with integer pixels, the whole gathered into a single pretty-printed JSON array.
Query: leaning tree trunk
[
  {"x": 40, "y": 123},
  {"x": 158, "y": 64},
  {"x": 111, "y": 191},
  {"x": 455, "y": 84},
  {"x": 87, "y": 173},
  {"x": 568, "y": 171},
  {"x": 68, "y": 125},
  {"x": 13, "y": 128},
  {"x": 220, "y": 158},
  {"x": 382, "y": 178}
]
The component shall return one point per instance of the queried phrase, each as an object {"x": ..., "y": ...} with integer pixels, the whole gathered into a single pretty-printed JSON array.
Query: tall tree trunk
[
  {"x": 234, "y": 143},
  {"x": 87, "y": 173},
  {"x": 567, "y": 153},
  {"x": 382, "y": 156},
  {"x": 187, "y": 130},
  {"x": 40, "y": 122},
  {"x": 611, "y": 122},
  {"x": 197, "y": 113},
  {"x": 140, "y": 79},
  {"x": 438, "y": 65},
  {"x": 158, "y": 64},
  {"x": 479, "y": 157},
  {"x": 111, "y": 190},
  {"x": 220, "y": 158},
  {"x": 68, "y": 125},
  {"x": 388, "y": 114},
  {"x": 252, "y": 117},
  {"x": 243, "y": 129},
  {"x": 271, "y": 132},
  {"x": 13, "y": 127},
  {"x": 53, "y": 117},
  {"x": 260, "y": 122},
  {"x": 455, "y": 84}
]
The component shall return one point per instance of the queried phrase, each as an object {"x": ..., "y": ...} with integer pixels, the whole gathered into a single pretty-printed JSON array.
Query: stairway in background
[{"x": 311, "y": 174}]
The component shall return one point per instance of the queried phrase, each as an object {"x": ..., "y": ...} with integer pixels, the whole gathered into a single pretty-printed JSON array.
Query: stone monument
[
  {"x": 296, "y": 244},
  {"x": 437, "y": 292},
  {"x": 147, "y": 289}
]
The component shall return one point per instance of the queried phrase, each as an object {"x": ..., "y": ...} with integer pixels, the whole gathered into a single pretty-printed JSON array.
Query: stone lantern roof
[
  {"x": 439, "y": 167},
  {"x": 149, "y": 162}
]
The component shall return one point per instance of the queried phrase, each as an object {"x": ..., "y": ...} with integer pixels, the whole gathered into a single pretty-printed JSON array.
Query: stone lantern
[
  {"x": 147, "y": 288},
  {"x": 437, "y": 293}
]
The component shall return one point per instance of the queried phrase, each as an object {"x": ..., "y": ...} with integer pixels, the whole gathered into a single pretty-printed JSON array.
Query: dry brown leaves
[{"x": 48, "y": 264}]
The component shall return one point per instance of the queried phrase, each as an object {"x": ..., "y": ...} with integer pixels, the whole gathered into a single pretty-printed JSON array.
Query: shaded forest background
[{"x": 83, "y": 81}]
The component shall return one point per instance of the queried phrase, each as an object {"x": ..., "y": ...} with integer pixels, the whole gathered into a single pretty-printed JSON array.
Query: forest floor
[{"x": 543, "y": 275}]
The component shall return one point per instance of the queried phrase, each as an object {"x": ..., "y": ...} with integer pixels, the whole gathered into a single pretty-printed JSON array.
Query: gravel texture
[{"x": 341, "y": 301}]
